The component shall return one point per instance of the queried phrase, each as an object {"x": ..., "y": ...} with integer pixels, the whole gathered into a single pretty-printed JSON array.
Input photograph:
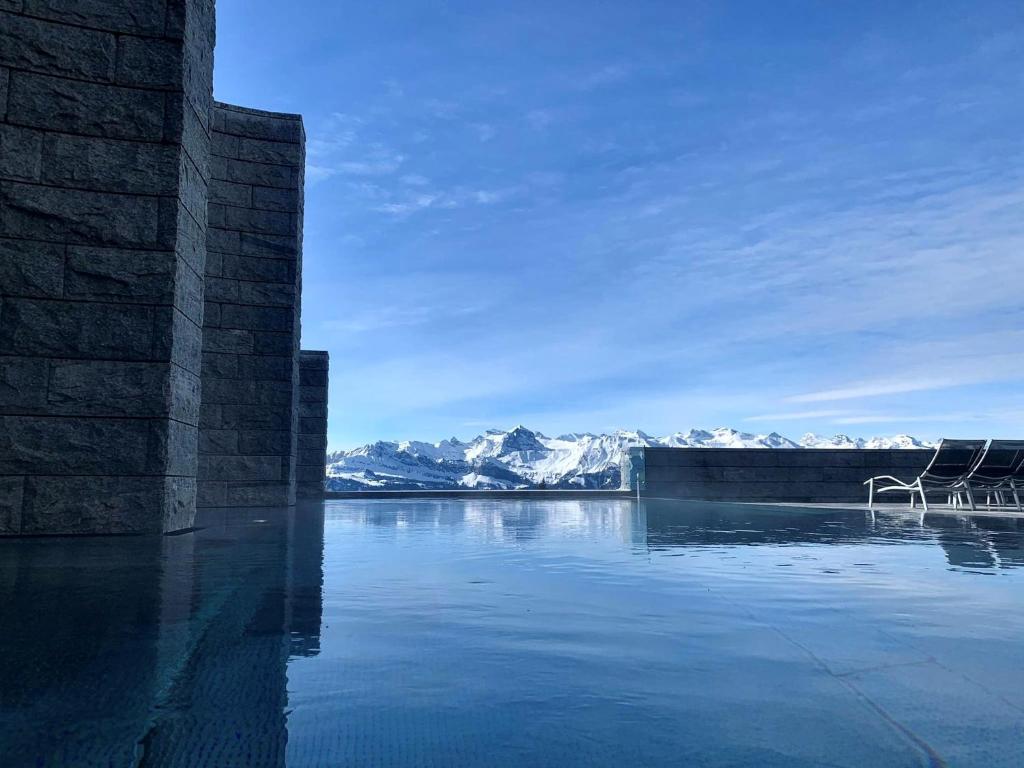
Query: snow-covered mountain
[{"x": 522, "y": 458}]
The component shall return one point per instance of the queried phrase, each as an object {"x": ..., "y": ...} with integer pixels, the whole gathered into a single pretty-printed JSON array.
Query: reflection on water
[{"x": 460, "y": 632}]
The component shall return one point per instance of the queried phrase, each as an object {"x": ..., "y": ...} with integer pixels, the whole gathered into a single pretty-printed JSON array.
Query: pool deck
[{"x": 905, "y": 509}]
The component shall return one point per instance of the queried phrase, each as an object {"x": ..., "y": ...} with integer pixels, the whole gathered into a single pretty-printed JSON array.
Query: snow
[{"x": 520, "y": 457}]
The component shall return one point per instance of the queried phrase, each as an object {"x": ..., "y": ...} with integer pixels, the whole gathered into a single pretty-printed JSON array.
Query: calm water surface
[{"x": 490, "y": 633}]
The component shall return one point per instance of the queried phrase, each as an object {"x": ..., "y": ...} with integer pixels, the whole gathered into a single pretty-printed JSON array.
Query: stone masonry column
[
  {"x": 104, "y": 144},
  {"x": 247, "y": 442},
  {"x": 311, "y": 466}
]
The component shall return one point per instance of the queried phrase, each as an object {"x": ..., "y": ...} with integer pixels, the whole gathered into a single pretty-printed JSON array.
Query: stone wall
[
  {"x": 247, "y": 442},
  {"x": 758, "y": 474},
  {"x": 311, "y": 469},
  {"x": 104, "y": 120}
]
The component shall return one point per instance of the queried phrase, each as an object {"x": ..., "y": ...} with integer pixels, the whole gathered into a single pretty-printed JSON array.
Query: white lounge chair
[
  {"x": 1001, "y": 469},
  {"x": 949, "y": 467}
]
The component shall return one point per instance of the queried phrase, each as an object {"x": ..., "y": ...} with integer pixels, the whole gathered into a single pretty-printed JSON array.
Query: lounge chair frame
[{"x": 937, "y": 476}]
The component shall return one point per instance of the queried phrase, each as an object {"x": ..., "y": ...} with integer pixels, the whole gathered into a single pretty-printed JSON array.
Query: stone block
[
  {"x": 86, "y": 446},
  {"x": 254, "y": 124},
  {"x": 265, "y": 368},
  {"x": 230, "y": 340},
  {"x": 312, "y": 410},
  {"x": 176, "y": 448},
  {"x": 109, "y": 274},
  {"x": 275, "y": 152},
  {"x": 211, "y": 315},
  {"x": 312, "y": 359},
  {"x": 265, "y": 468},
  {"x": 184, "y": 335},
  {"x": 224, "y": 145},
  {"x": 310, "y": 473},
  {"x": 221, "y": 289},
  {"x": 56, "y": 49},
  {"x": 92, "y": 109},
  {"x": 211, "y": 493},
  {"x": 267, "y": 294},
  {"x": 105, "y": 388},
  {"x": 222, "y": 240},
  {"x": 312, "y": 442},
  {"x": 270, "y": 392},
  {"x": 145, "y": 17},
  {"x": 257, "y": 318},
  {"x": 150, "y": 63},
  {"x": 72, "y": 329},
  {"x": 268, "y": 246},
  {"x": 313, "y": 394},
  {"x": 251, "y": 220},
  {"x": 271, "y": 199},
  {"x": 88, "y": 504},
  {"x": 313, "y": 426},
  {"x": 23, "y": 383},
  {"x": 20, "y": 153},
  {"x": 210, "y": 416},
  {"x": 188, "y": 236},
  {"x": 258, "y": 269},
  {"x": 259, "y": 495},
  {"x": 235, "y": 391},
  {"x": 79, "y": 216},
  {"x": 264, "y": 442},
  {"x": 110, "y": 165},
  {"x": 255, "y": 417},
  {"x": 218, "y": 441},
  {"x": 260, "y": 174},
  {"x": 11, "y": 492},
  {"x": 218, "y": 365},
  {"x": 269, "y": 343},
  {"x": 226, "y": 193},
  {"x": 31, "y": 269},
  {"x": 312, "y": 377},
  {"x": 311, "y": 457}
]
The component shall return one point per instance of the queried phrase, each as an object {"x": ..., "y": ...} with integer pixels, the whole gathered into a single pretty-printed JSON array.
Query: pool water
[{"x": 501, "y": 633}]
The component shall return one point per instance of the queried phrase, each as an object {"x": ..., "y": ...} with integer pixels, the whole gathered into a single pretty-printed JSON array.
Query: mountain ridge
[{"x": 524, "y": 458}]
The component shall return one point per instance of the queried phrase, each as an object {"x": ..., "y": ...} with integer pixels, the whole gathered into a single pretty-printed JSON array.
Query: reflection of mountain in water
[
  {"x": 968, "y": 541},
  {"x": 203, "y": 624}
]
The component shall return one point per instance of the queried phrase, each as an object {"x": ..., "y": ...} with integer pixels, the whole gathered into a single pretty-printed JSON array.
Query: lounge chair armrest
[{"x": 884, "y": 477}]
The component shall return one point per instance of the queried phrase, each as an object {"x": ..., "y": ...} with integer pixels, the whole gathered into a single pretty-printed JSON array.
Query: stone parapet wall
[
  {"x": 249, "y": 421},
  {"x": 104, "y": 169},
  {"x": 311, "y": 469},
  {"x": 767, "y": 475}
]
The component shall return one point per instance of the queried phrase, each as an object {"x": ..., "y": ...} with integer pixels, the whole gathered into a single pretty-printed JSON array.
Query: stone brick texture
[
  {"x": 104, "y": 173},
  {"x": 311, "y": 463},
  {"x": 765, "y": 475},
  {"x": 249, "y": 419}
]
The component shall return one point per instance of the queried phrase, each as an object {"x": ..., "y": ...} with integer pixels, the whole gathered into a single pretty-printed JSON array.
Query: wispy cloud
[
  {"x": 484, "y": 131},
  {"x": 796, "y": 416},
  {"x": 606, "y": 75}
]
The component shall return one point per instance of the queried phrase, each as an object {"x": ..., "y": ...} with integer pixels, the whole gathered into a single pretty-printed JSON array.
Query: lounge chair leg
[
  {"x": 871, "y": 493},
  {"x": 1016, "y": 496},
  {"x": 924, "y": 501},
  {"x": 970, "y": 496}
]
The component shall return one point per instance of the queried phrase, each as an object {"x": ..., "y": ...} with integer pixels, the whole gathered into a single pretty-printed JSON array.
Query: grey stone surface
[
  {"x": 150, "y": 277},
  {"x": 103, "y": 196},
  {"x": 755, "y": 474},
  {"x": 311, "y": 460},
  {"x": 250, "y": 365}
]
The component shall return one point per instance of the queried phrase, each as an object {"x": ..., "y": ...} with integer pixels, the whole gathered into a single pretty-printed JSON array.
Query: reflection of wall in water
[{"x": 203, "y": 627}]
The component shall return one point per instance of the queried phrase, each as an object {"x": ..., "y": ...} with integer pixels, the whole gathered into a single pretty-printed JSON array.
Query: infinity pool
[{"x": 497, "y": 633}]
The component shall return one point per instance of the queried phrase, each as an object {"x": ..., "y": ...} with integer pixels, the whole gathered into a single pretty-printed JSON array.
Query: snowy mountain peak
[{"x": 524, "y": 458}]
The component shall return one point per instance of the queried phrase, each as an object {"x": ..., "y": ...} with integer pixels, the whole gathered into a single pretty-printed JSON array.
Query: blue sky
[{"x": 782, "y": 216}]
